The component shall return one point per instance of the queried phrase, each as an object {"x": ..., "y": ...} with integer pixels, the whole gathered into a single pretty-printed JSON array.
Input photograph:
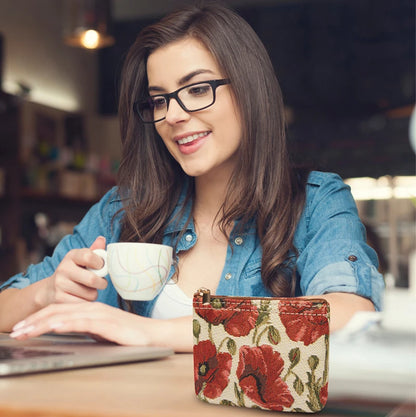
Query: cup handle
[{"x": 102, "y": 253}]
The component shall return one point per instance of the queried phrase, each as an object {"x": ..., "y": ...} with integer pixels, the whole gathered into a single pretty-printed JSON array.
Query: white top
[{"x": 171, "y": 303}]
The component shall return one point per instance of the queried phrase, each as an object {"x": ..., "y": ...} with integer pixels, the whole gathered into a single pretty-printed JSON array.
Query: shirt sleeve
[
  {"x": 97, "y": 222},
  {"x": 334, "y": 255}
]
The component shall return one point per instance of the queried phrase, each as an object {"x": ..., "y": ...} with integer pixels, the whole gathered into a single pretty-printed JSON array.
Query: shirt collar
[{"x": 176, "y": 223}]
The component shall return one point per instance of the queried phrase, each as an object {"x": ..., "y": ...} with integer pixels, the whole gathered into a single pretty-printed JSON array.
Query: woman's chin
[{"x": 193, "y": 172}]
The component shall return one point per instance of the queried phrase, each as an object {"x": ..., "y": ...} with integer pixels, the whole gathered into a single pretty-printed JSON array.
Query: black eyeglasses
[{"x": 192, "y": 97}]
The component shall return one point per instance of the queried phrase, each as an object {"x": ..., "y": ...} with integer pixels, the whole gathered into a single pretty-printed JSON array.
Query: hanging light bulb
[
  {"x": 90, "y": 39},
  {"x": 88, "y": 24}
]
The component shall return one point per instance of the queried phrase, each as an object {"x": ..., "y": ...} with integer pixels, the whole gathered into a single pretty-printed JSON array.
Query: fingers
[
  {"x": 81, "y": 285},
  {"x": 72, "y": 282},
  {"x": 85, "y": 258},
  {"x": 69, "y": 291},
  {"x": 100, "y": 320},
  {"x": 58, "y": 318},
  {"x": 65, "y": 276},
  {"x": 99, "y": 243}
]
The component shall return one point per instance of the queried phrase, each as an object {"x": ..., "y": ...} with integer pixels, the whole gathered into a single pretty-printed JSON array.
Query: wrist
[
  {"x": 173, "y": 333},
  {"x": 42, "y": 293}
]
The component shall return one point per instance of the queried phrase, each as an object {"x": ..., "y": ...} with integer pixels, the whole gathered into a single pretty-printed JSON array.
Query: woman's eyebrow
[
  {"x": 193, "y": 74},
  {"x": 183, "y": 80}
]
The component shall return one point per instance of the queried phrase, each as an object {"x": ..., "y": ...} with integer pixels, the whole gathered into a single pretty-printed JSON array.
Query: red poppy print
[
  {"x": 238, "y": 318},
  {"x": 307, "y": 324},
  {"x": 323, "y": 394},
  {"x": 258, "y": 372},
  {"x": 216, "y": 314},
  {"x": 211, "y": 369}
]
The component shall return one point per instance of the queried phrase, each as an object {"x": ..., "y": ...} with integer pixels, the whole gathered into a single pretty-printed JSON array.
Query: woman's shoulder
[
  {"x": 320, "y": 178},
  {"x": 111, "y": 196},
  {"x": 102, "y": 218},
  {"x": 327, "y": 194},
  {"x": 320, "y": 184},
  {"x": 110, "y": 201}
]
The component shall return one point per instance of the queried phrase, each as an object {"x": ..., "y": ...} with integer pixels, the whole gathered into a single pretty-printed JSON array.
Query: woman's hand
[
  {"x": 109, "y": 323},
  {"x": 99, "y": 320},
  {"x": 72, "y": 281}
]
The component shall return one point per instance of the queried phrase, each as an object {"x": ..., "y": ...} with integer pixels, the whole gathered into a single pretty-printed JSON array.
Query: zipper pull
[{"x": 205, "y": 293}]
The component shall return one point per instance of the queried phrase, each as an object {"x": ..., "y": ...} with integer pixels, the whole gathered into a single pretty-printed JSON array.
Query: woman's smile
[
  {"x": 191, "y": 143},
  {"x": 191, "y": 138}
]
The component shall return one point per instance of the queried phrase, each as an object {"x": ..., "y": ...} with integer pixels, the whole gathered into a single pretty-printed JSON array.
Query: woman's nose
[{"x": 175, "y": 113}]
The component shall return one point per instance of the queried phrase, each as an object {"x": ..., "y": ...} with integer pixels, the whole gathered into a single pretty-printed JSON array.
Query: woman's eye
[
  {"x": 158, "y": 102},
  {"x": 199, "y": 90}
]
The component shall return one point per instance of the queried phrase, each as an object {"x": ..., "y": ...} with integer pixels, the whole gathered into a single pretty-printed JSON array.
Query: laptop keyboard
[{"x": 13, "y": 352}]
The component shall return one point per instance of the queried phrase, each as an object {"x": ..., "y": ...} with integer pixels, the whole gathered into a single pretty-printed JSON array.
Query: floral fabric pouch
[{"x": 266, "y": 353}]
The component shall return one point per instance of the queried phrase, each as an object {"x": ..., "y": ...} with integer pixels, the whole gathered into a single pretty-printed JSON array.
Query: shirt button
[
  {"x": 228, "y": 276},
  {"x": 188, "y": 238},
  {"x": 238, "y": 240},
  {"x": 352, "y": 258}
]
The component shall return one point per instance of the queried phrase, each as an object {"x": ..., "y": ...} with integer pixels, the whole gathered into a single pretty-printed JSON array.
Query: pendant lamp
[{"x": 88, "y": 23}]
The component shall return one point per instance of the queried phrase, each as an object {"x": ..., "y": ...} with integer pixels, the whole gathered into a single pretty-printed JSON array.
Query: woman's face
[{"x": 204, "y": 142}]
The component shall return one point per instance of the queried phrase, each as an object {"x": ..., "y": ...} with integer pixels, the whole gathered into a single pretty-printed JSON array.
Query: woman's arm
[
  {"x": 62, "y": 278},
  {"x": 118, "y": 326},
  {"x": 110, "y": 323},
  {"x": 343, "y": 306},
  {"x": 70, "y": 283},
  {"x": 16, "y": 304},
  {"x": 334, "y": 258}
]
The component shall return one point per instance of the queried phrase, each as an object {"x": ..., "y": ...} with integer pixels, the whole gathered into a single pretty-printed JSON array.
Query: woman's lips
[
  {"x": 192, "y": 137},
  {"x": 191, "y": 143}
]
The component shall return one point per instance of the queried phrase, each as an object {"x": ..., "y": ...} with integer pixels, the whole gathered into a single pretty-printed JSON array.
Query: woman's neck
[{"x": 210, "y": 193}]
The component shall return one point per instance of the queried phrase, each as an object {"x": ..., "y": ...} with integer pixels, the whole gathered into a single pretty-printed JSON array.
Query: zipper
[{"x": 205, "y": 294}]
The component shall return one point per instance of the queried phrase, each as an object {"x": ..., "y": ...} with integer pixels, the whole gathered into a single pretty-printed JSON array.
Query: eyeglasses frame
[{"x": 168, "y": 96}]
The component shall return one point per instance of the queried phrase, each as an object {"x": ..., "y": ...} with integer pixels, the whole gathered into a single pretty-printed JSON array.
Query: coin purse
[{"x": 265, "y": 353}]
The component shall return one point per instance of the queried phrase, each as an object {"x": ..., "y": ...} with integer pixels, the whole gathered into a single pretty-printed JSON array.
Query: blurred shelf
[{"x": 55, "y": 198}]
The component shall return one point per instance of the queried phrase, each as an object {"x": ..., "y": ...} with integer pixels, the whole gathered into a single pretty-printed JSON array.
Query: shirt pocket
[{"x": 252, "y": 270}]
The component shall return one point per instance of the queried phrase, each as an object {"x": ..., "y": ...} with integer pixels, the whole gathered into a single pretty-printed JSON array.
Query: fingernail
[
  {"x": 19, "y": 325},
  {"x": 16, "y": 333},
  {"x": 54, "y": 326},
  {"x": 22, "y": 331}
]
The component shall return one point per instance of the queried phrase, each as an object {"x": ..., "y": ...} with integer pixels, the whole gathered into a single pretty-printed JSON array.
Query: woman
[{"x": 204, "y": 169}]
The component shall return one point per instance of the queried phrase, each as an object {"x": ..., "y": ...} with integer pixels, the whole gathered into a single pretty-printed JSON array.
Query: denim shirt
[{"x": 332, "y": 252}]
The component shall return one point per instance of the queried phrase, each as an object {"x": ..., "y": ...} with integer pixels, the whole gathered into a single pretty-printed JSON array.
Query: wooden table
[{"x": 162, "y": 388}]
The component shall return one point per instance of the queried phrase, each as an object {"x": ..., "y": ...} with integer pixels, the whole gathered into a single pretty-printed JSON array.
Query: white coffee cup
[{"x": 138, "y": 271}]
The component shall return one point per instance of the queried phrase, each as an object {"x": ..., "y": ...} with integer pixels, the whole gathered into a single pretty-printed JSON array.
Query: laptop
[{"x": 53, "y": 352}]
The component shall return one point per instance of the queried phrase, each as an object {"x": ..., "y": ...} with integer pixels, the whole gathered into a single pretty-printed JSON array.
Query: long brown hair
[{"x": 263, "y": 186}]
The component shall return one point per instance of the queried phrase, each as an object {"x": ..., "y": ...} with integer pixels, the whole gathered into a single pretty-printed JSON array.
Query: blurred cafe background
[{"x": 346, "y": 68}]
